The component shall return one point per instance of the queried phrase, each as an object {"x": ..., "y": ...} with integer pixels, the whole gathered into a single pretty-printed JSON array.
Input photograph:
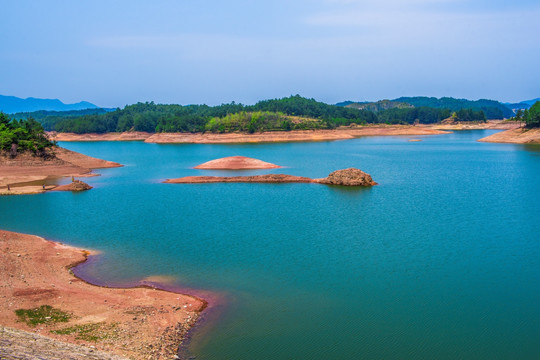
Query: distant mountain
[
  {"x": 379, "y": 105},
  {"x": 13, "y": 104},
  {"x": 517, "y": 106},
  {"x": 530, "y": 102},
  {"x": 345, "y": 103}
]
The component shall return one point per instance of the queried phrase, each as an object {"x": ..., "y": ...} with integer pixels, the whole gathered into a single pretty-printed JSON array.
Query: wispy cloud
[{"x": 401, "y": 25}]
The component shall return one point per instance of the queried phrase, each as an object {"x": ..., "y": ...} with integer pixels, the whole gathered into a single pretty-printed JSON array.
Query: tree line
[{"x": 291, "y": 113}]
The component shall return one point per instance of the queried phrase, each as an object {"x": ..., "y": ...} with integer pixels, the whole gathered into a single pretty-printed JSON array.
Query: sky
[{"x": 114, "y": 53}]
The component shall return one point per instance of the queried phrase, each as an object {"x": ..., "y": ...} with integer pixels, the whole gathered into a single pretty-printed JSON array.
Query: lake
[{"x": 441, "y": 260}]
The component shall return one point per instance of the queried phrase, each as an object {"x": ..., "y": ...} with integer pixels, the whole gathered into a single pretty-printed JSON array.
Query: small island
[{"x": 236, "y": 163}]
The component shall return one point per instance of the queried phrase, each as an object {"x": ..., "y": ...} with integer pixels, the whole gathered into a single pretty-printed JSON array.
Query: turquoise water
[{"x": 439, "y": 261}]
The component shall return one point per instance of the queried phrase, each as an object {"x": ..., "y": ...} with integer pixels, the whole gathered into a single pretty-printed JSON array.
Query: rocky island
[{"x": 346, "y": 177}]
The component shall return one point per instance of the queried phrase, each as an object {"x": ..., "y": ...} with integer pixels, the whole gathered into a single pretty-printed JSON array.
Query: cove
[{"x": 440, "y": 260}]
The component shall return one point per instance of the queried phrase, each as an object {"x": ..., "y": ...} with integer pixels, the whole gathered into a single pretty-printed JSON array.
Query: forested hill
[
  {"x": 493, "y": 109},
  {"x": 13, "y": 104},
  {"x": 291, "y": 113}
]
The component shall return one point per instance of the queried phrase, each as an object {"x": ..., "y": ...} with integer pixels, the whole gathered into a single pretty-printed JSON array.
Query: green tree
[{"x": 532, "y": 116}]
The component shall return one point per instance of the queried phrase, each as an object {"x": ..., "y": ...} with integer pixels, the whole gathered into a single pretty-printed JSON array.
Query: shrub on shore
[{"x": 45, "y": 314}]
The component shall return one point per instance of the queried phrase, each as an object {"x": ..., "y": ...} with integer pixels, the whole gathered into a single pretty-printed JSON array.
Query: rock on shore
[
  {"x": 76, "y": 185},
  {"x": 348, "y": 177}
]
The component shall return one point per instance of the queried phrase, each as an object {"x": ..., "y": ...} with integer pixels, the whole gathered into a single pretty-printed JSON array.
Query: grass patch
[
  {"x": 90, "y": 332},
  {"x": 45, "y": 314}
]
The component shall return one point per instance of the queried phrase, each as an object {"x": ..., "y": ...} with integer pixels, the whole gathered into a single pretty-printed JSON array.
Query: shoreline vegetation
[{"x": 140, "y": 323}]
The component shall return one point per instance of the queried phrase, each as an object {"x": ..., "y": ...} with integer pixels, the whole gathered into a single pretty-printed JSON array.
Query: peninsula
[
  {"x": 515, "y": 136},
  {"x": 28, "y": 174}
]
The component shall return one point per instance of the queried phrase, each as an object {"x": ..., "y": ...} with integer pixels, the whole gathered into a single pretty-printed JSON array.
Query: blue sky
[{"x": 114, "y": 53}]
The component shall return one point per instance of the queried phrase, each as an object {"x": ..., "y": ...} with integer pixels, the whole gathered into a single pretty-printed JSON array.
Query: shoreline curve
[{"x": 138, "y": 322}]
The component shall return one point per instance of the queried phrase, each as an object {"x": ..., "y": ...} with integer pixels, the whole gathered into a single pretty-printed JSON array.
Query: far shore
[
  {"x": 342, "y": 133},
  {"x": 139, "y": 323}
]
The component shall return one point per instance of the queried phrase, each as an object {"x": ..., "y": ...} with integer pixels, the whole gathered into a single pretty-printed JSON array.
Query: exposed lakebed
[{"x": 441, "y": 260}]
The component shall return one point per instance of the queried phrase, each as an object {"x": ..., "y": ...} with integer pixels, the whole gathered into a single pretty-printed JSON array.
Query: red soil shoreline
[
  {"x": 148, "y": 321},
  {"x": 342, "y": 133}
]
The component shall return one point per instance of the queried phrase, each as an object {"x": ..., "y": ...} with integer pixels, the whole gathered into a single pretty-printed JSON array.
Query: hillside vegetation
[
  {"x": 379, "y": 105},
  {"x": 491, "y": 108}
]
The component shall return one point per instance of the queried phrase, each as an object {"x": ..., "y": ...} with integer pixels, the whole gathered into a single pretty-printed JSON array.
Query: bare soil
[{"x": 296, "y": 135}]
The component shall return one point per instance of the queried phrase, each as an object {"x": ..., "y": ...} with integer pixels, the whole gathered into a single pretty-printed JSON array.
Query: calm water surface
[{"x": 439, "y": 261}]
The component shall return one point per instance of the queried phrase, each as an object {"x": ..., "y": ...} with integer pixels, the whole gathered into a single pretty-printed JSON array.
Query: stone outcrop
[
  {"x": 76, "y": 185},
  {"x": 348, "y": 177}
]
